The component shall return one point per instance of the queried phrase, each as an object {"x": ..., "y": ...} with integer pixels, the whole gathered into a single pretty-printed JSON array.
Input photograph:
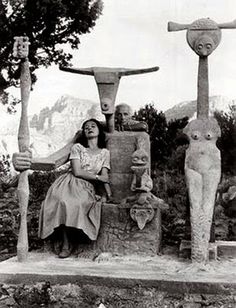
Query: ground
[{"x": 115, "y": 281}]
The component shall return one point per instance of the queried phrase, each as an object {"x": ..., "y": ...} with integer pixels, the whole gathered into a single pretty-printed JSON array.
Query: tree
[
  {"x": 227, "y": 141},
  {"x": 164, "y": 137},
  {"x": 49, "y": 24}
]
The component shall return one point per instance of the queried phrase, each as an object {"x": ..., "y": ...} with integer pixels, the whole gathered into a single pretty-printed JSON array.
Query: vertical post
[
  {"x": 21, "y": 51},
  {"x": 203, "y": 89},
  {"x": 110, "y": 123}
]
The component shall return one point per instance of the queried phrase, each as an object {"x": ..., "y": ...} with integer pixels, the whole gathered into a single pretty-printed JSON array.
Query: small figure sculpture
[
  {"x": 142, "y": 212},
  {"x": 21, "y": 47},
  {"x": 143, "y": 207},
  {"x": 140, "y": 160},
  {"x": 203, "y": 172}
]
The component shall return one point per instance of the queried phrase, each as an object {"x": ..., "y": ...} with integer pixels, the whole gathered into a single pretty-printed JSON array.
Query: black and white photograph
[{"x": 117, "y": 153}]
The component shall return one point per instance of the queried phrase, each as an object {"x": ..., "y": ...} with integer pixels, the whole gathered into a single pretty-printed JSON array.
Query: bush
[{"x": 227, "y": 142}]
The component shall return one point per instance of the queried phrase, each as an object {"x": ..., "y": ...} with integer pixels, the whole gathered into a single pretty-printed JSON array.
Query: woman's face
[{"x": 91, "y": 130}]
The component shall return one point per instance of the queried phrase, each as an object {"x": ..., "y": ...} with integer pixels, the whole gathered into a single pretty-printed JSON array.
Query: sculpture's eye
[
  {"x": 208, "y": 46},
  {"x": 144, "y": 158},
  {"x": 135, "y": 159},
  {"x": 195, "y": 135},
  {"x": 200, "y": 46},
  {"x": 208, "y": 135}
]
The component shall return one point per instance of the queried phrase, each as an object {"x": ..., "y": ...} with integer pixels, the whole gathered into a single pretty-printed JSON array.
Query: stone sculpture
[
  {"x": 202, "y": 163},
  {"x": 20, "y": 50},
  {"x": 107, "y": 80},
  {"x": 203, "y": 172},
  {"x": 143, "y": 206},
  {"x": 140, "y": 167},
  {"x": 203, "y": 36}
]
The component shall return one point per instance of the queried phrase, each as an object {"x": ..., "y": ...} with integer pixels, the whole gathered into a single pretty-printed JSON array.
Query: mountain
[
  {"x": 51, "y": 128},
  {"x": 189, "y": 108}
]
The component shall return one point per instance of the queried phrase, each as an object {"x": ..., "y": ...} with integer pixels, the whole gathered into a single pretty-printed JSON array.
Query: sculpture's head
[
  {"x": 204, "y": 45},
  {"x": 142, "y": 214},
  {"x": 203, "y": 130},
  {"x": 140, "y": 158},
  {"x": 203, "y": 36},
  {"x": 21, "y": 47},
  {"x": 107, "y": 82}
]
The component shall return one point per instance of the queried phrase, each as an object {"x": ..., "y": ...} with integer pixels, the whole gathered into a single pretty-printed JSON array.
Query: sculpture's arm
[{"x": 54, "y": 160}]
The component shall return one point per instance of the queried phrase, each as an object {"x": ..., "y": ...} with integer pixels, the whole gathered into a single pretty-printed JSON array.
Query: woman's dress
[{"x": 71, "y": 201}]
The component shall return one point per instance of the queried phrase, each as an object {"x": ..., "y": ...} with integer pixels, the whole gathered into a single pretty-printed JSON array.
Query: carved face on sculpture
[
  {"x": 21, "y": 47},
  {"x": 203, "y": 36},
  {"x": 139, "y": 158},
  {"x": 204, "y": 45},
  {"x": 142, "y": 214}
]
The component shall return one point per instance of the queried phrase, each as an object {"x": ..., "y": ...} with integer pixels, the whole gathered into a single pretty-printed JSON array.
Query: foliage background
[{"x": 168, "y": 145}]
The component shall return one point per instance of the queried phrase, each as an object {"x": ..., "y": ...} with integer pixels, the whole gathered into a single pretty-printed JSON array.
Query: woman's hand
[{"x": 102, "y": 178}]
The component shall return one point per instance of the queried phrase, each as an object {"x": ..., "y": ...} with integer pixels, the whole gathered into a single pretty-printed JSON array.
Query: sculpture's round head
[
  {"x": 204, "y": 45},
  {"x": 140, "y": 158},
  {"x": 203, "y": 36},
  {"x": 21, "y": 47}
]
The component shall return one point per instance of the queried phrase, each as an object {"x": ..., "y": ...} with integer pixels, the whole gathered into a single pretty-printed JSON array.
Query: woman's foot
[
  {"x": 65, "y": 253},
  {"x": 57, "y": 247},
  {"x": 66, "y": 248}
]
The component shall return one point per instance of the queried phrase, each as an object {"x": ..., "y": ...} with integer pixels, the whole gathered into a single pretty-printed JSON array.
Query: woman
[{"x": 71, "y": 200}]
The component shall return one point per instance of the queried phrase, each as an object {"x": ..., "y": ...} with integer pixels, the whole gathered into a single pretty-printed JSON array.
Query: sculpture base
[
  {"x": 119, "y": 234},
  {"x": 218, "y": 249},
  {"x": 144, "y": 281}
]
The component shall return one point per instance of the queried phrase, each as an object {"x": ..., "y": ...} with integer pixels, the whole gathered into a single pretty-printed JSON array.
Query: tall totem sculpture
[
  {"x": 107, "y": 80},
  {"x": 20, "y": 51},
  {"x": 202, "y": 162}
]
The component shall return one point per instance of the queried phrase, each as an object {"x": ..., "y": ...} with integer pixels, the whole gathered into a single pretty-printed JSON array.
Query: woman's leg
[{"x": 66, "y": 248}]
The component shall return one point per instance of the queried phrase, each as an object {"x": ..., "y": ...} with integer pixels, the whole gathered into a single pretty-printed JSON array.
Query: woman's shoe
[{"x": 65, "y": 253}]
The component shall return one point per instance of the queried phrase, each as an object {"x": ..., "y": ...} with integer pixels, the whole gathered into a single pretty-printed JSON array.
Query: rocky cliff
[{"x": 51, "y": 128}]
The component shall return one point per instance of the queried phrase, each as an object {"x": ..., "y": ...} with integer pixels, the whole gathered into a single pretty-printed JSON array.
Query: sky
[{"x": 133, "y": 34}]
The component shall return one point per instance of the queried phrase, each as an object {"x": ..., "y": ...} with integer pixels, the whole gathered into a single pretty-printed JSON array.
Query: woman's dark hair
[{"x": 81, "y": 138}]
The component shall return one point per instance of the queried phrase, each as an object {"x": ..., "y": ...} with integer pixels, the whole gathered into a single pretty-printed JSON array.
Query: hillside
[
  {"x": 188, "y": 108},
  {"x": 51, "y": 128}
]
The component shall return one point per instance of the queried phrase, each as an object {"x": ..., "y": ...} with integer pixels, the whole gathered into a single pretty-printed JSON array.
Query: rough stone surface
[
  {"x": 161, "y": 281},
  {"x": 120, "y": 234},
  {"x": 122, "y": 145},
  {"x": 90, "y": 296},
  {"x": 203, "y": 172}
]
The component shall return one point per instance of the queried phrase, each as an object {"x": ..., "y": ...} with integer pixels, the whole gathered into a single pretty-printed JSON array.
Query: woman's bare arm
[
  {"x": 83, "y": 174},
  {"x": 107, "y": 187}
]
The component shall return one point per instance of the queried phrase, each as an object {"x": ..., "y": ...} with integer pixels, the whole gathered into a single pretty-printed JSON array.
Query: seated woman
[{"x": 71, "y": 201}]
